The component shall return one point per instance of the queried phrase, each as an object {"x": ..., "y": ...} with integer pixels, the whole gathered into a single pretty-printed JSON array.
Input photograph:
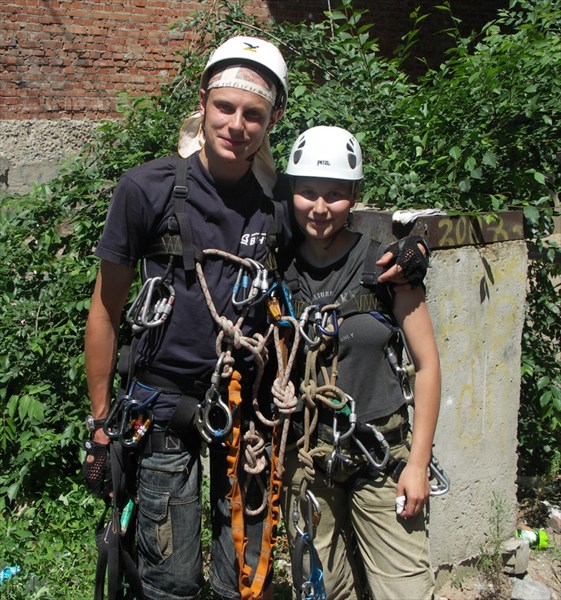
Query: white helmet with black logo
[
  {"x": 251, "y": 51},
  {"x": 330, "y": 152}
]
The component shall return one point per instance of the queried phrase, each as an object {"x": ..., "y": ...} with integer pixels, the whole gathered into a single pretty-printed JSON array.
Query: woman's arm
[{"x": 413, "y": 317}]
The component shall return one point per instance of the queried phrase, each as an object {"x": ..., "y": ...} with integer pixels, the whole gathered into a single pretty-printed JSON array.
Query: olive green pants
[{"x": 360, "y": 541}]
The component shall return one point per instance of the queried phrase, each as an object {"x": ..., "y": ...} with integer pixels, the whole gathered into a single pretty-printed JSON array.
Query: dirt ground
[
  {"x": 471, "y": 583},
  {"x": 466, "y": 583}
]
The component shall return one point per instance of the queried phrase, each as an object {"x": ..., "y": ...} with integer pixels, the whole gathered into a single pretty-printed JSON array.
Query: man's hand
[
  {"x": 97, "y": 469},
  {"x": 405, "y": 262}
]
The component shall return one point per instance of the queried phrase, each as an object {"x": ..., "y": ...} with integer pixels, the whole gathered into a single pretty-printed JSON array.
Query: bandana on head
[{"x": 244, "y": 78}]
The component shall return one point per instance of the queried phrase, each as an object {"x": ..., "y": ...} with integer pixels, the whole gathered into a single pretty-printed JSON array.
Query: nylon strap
[
  {"x": 180, "y": 194},
  {"x": 253, "y": 590}
]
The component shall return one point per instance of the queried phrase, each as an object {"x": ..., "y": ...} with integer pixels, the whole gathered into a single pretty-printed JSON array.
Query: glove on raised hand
[{"x": 411, "y": 259}]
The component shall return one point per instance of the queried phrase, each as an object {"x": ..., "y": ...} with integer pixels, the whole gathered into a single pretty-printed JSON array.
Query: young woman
[{"x": 371, "y": 491}]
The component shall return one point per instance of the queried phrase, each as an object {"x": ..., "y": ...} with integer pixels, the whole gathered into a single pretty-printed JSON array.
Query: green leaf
[{"x": 455, "y": 152}]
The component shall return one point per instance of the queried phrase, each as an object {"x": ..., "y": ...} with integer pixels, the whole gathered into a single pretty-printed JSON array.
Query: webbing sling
[
  {"x": 253, "y": 590},
  {"x": 115, "y": 557}
]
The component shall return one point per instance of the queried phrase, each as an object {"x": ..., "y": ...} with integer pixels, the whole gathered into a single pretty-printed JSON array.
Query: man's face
[{"x": 236, "y": 122}]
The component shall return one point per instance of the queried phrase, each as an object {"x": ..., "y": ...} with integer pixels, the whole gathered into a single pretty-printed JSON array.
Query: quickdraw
[{"x": 313, "y": 588}]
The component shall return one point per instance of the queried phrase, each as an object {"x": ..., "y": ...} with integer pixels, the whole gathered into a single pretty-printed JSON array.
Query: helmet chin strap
[{"x": 332, "y": 238}]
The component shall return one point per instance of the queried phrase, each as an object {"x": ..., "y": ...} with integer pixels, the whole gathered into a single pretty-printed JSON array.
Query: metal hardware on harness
[
  {"x": 384, "y": 445},
  {"x": 252, "y": 283},
  {"x": 337, "y": 457},
  {"x": 312, "y": 518},
  {"x": 212, "y": 406},
  {"x": 401, "y": 372},
  {"x": 274, "y": 304},
  {"x": 153, "y": 304},
  {"x": 322, "y": 321},
  {"x": 129, "y": 418},
  {"x": 303, "y": 320},
  {"x": 313, "y": 588},
  {"x": 442, "y": 485}
]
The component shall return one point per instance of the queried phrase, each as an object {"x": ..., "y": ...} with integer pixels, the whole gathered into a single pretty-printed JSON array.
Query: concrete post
[{"x": 476, "y": 296}]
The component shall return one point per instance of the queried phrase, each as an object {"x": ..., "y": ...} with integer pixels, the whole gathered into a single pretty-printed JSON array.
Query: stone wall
[
  {"x": 70, "y": 59},
  {"x": 476, "y": 290}
]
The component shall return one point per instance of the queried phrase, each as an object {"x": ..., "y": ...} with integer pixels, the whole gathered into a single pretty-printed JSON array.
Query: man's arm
[
  {"x": 405, "y": 262},
  {"x": 102, "y": 328}
]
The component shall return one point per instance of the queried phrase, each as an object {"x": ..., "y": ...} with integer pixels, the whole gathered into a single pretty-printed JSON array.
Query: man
[{"x": 215, "y": 195}]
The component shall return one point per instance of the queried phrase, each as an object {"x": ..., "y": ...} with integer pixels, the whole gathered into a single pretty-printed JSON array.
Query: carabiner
[
  {"x": 302, "y": 322},
  {"x": 323, "y": 321},
  {"x": 116, "y": 423},
  {"x": 313, "y": 516},
  {"x": 146, "y": 312},
  {"x": 135, "y": 422},
  {"x": 242, "y": 285},
  {"x": 383, "y": 443},
  {"x": 206, "y": 413},
  {"x": 401, "y": 373},
  {"x": 352, "y": 419},
  {"x": 442, "y": 485}
]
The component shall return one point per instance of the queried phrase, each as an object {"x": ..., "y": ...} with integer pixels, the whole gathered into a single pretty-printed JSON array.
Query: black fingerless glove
[
  {"x": 411, "y": 259},
  {"x": 97, "y": 469}
]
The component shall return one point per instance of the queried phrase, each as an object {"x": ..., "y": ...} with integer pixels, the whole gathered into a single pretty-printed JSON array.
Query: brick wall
[{"x": 69, "y": 58}]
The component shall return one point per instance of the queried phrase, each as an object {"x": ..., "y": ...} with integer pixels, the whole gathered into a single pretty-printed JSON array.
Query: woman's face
[{"x": 321, "y": 206}]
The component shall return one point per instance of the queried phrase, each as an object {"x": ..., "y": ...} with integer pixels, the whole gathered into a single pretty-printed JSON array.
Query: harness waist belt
[
  {"x": 159, "y": 440},
  {"x": 171, "y": 383},
  {"x": 394, "y": 436}
]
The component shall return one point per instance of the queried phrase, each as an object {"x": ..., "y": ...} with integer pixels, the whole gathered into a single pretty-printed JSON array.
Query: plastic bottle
[
  {"x": 8, "y": 572},
  {"x": 537, "y": 538}
]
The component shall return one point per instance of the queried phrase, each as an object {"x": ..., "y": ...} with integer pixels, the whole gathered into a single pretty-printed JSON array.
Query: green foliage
[
  {"x": 52, "y": 543},
  {"x": 481, "y": 133},
  {"x": 490, "y": 560}
]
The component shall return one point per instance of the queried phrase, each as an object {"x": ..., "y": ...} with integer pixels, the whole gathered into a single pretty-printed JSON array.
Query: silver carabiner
[
  {"x": 146, "y": 311},
  {"x": 383, "y": 443},
  {"x": 323, "y": 321},
  {"x": 252, "y": 284},
  {"x": 442, "y": 485},
  {"x": 206, "y": 412},
  {"x": 352, "y": 420},
  {"x": 303, "y": 321},
  {"x": 313, "y": 517}
]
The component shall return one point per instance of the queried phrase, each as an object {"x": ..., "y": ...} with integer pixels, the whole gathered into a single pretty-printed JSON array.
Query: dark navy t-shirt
[{"x": 233, "y": 218}]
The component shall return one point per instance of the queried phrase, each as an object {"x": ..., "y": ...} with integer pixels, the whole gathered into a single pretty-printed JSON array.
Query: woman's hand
[{"x": 414, "y": 485}]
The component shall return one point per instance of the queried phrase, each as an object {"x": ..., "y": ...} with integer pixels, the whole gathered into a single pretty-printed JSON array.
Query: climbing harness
[{"x": 319, "y": 326}]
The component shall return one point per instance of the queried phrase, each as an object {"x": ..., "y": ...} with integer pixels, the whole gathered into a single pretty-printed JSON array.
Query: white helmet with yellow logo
[{"x": 250, "y": 51}]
